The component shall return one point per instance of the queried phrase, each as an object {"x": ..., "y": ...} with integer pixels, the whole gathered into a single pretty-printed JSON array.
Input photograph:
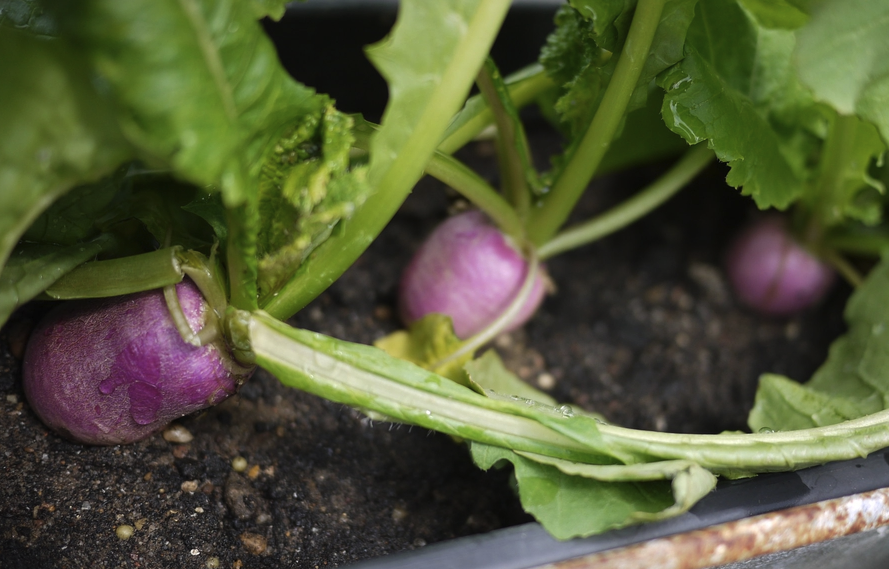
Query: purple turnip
[
  {"x": 468, "y": 270},
  {"x": 116, "y": 370},
  {"x": 772, "y": 273}
]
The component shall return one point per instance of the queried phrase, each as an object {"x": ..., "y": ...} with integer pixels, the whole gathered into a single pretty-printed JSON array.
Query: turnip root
[
  {"x": 116, "y": 370},
  {"x": 772, "y": 273},
  {"x": 468, "y": 270}
]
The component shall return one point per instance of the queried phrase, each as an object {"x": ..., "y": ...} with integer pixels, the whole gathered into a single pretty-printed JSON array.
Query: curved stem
[
  {"x": 475, "y": 189},
  {"x": 501, "y": 322},
  {"x": 546, "y": 220},
  {"x": 633, "y": 208},
  {"x": 367, "y": 378},
  {"x": 759, "y": 452},
  {"x": 843, "y": 267},
  {"x": 524, "y": 86}
]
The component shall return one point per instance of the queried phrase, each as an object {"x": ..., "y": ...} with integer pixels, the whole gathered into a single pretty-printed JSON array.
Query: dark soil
[{"x": 642, "y": 329}]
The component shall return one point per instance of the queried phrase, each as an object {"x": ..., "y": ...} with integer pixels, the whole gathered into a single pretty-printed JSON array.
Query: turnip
[
  {"x": 468, "y": 270},
  {"x": 772, "y": 273},
  {"x": 116, "y": 370}
]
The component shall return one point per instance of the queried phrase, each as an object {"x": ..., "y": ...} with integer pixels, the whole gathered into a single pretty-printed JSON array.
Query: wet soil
[{"x": 642, "y": 329}]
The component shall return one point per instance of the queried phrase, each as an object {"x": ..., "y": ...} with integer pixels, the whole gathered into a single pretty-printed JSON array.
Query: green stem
[
  {"x": 501, "y": 322},
  {"x": 510, "y": 139},
  {"x": 633, "y": 208},
  {"x": 241, "y": 254},
  {"x": 210, "y": 330},
  {"x": 475, "y": 189},
  {"x": 284, "y": 352},
  {"x": 115, "y": 277},
  {"x": 826, "y": 201},
  {"x": 546, "y": 220},
  {"x": 843, "y": 267},
  {"x": 394, "y": 183},
  {"x": 367, "y": 378},
  {"x": 524, "y": 86},
  {"x": 870, "y": 241},
  {"x": 759, "y": 452}
]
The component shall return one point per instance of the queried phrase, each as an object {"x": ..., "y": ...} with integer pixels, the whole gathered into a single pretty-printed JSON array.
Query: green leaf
[
  {"x": 32, "y": 268},
  {"x": 273, "y": 9},
  {"x": 74, "y": 216},
  {"x": 305, "y": 189},
  {"x": 843, "y": 57},
  {"x": 736, "y": 90},
  {"x": 57, "y": 132},
  {"x": 488, "y": 375},
  {"x": 845, "y": 188},
  {"x": 783, "y": 14},
  {"x": 198, "y": 84},
  {"x": 426, "y": 343},
  {"x": 578, "y": 54},
  {"x": 643, "y": 139},
  {"x": 785, "y": 405},
  {"x": 160, "y": 205},
  {"x": 854, "y": 380},
  {"x": 576, "y": 500}
]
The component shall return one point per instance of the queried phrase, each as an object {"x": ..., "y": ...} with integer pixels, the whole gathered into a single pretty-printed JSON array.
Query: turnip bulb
[
  {"x": 772, "y": 273},
  {"x": 116, "y": 370},
  {"x": 468, "y": 270}
]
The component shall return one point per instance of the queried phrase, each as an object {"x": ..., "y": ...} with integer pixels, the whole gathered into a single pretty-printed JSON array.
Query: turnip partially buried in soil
[
  {"x": 774, "y": 274},
  {"x": 468, "y": 270},
  {"x": 116, "y": 370}
]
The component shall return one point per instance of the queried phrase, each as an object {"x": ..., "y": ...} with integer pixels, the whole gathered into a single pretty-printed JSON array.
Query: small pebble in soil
[
  {"x": 124, "y": 532},
  {"x": 254, "y": 543},
  {"x": 212, "y": 563},
  {"x": 189, "y": 486},
  {"x": 176, "y": 433},
  {"x": 239, "y": 464},
  {"x": 398, "y": 513},
  {"x": 546, "y": 381}
]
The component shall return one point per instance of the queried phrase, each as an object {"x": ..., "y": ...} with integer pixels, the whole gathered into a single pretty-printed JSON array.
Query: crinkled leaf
[
  {"x": 198, "y": 84},
  {"x": 736, "y": 90},
  {"x": 488, "y": 375},
  {"x": 305, "y": 189},
  {"x": 57, "y": 132},
  {"x": 843, "y": 56},
  {"x": 576, "y": 500},
  {"x": 34, "y": 267},
  {"x": 581, "y": 56},
  {"x": 853, "y": 381},
  {"x": 427, "y": 342},
  {"x": 574, "y": 60}
]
